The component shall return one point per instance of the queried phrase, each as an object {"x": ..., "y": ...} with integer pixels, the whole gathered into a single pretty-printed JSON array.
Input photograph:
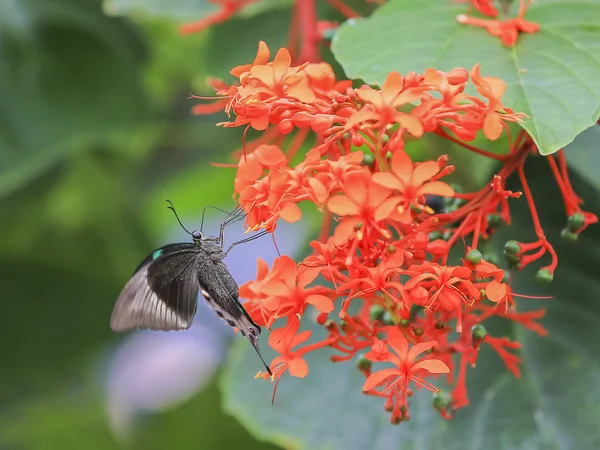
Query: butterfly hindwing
[{"x": 162, "y": 294}]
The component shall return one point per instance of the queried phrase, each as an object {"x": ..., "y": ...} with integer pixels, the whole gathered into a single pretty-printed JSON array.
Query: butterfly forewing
[{"x": 163, "y": 292}]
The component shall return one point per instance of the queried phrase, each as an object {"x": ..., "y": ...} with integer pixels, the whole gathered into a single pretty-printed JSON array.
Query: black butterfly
[{"x": 162, "y": 294}]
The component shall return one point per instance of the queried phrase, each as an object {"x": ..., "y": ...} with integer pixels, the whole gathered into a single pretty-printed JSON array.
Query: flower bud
[
  {"x": 362, "y": 363},
  {"x": 568, "y": 235},
  {"x": 512, "y": 247},
  {"x": 576, "y": 221},
  {"x": 376, "y": 313},
  {"x": 494, "y": 220},
  {"x": 478, "y": 334},
  {"x": 368, "y": 160},
  {"x": 441, "y": 400},
  {"x": 474, "y": 256},
  {"x": 544, "y": 276},
  {"x": 387, "y": 319}
]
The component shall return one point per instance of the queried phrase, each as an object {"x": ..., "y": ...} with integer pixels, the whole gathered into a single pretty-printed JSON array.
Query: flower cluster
[
  {"x": 507, "y": 30},
  {"x": 380, "y": 279}
]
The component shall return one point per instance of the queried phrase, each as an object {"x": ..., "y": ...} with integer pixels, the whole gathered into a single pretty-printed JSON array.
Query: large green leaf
[
  {"x": 69, "y": 78},
  {"x": 553, "y": 75},
  {"x": 554, "y": 405},
  {"x": 583, "y": 155}
]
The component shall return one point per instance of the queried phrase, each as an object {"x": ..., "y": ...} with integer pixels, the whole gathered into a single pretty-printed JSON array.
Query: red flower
[
  {"x": 282, "y": 292},
  {"x": 412, "y": 182},
  {"x": 363, "y": 207},
  {"x": 449, "y": 287},
  {"x": 283, "y": 340},
  {"x": 380, "y": 108},
  {"x": 507, "y": 30},
  {"x": 407, "y": 368}
]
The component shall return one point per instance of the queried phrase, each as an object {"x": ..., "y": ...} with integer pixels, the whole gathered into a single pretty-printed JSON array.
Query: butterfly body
[{"x": 162, "y": 293}]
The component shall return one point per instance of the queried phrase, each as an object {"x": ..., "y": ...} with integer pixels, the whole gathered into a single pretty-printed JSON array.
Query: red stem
[{"x": 307, "y": 17}]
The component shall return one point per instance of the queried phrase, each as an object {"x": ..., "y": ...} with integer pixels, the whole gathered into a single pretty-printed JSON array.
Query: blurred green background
[{"x": 96, "y": 131}]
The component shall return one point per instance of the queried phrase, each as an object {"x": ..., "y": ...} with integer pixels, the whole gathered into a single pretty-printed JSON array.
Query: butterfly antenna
[{"x": 172, "y": 208}]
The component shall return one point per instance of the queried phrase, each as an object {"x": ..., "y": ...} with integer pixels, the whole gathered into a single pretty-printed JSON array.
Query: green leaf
[
  {"x": 555, "y": 403},
  {"x": 553, "y": 75},
  {"x": 69, "y": 78},
  {"x": 583, "y": 155}
]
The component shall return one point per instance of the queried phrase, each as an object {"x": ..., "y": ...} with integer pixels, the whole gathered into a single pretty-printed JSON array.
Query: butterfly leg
[
  {"x": 237, "y": 214},
  {"x": 256, "y": 236}
]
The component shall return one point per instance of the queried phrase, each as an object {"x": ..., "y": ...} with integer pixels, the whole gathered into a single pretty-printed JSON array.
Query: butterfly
[{"x": 162, "y": 293}]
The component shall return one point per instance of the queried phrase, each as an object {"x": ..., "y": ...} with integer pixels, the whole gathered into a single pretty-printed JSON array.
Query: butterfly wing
[{"x": 162, "y": 293}]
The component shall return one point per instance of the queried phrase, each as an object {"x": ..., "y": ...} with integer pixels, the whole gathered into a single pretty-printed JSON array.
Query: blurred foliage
[
  {"x": 96, "y": 131},
  {"x": 95, "y": 134}
]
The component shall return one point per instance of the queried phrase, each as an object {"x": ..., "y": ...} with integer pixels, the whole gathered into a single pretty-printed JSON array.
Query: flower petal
[
  {"x": 492, "y": 126},
  {"x": 397, "y": 341},
  {"x": 377, "y": 194},
  {"x": 290, "y": 212},
  {"x": 402, "y": 166},
  {"x": 306, "y": 276},
  {"x": 344, "y": 230},
  {"x": 412, "y": 124},
  {"x": 436, "y": 188},
  {"x": 342, "y": 206},
  {"x": 419, "y": 348},
  {"x": 432, "y": 366},
  {"x": 386, "y": 179},
  {"x": 359, "y": 117},
  {"x": 355, "y": 187},
  {"x": 379, "y": 377},
  {"x": 495, "y": 291},
  {"x": 392, "y": 87},
  {"x": 300, "y": 338},
  {"x": 298, "y": 367},
  {"x": 384, "y": 210},
  {"x": 321, "y": 302},
  {"x": 424, "y": 172},
  {"x": 281, "y": 63},
  {"x": 301, "y": 93}
]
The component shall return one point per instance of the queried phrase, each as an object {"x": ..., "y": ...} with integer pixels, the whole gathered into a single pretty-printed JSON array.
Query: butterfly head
[{"x": 197, "y": 236}]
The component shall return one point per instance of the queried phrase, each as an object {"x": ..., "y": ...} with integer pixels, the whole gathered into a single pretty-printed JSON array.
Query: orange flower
[
  {"x": 283, "y": 340},
  {"x": 370, "y": 280},
  {"x": 449, "y": 287},
  {"x": 252, "y": 166},
  {"x": 381, "y": 106},
  {"x": 262, "y": 57},
  {"x": 282, "y": 292},
  {"x": 493, "y": 89},
  {"x": 363, "y": 206},
  {"x": 407, "y": 368},
  {"x": 412, "y": 182},
  {"x": 499, "y": 292}
]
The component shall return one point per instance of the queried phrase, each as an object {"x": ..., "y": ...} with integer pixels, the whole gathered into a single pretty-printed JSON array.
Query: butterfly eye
[{"x": 196, "y": 235}]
